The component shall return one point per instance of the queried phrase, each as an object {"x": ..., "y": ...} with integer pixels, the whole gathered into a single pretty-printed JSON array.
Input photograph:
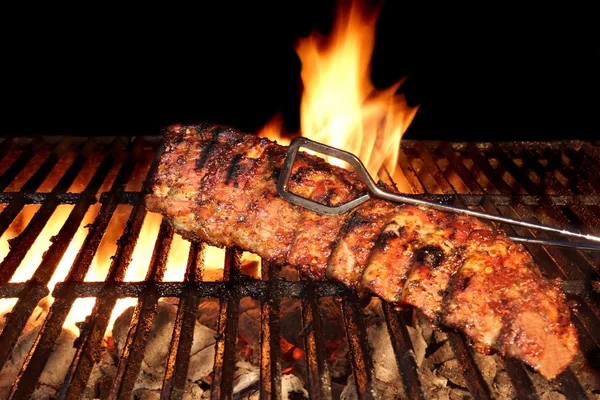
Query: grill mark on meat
[
  {"x": 209, "y": 147},
  {"x": 390, "y": 249},
  {"x": 430, "y": 254},
  {"x": 459, "y": 284},
  {"x": 357, "y": 220},
  {"x": 350, "y": 256},
  {"x": 385, "y": 237},
  {"x": 454, "y": 268},
  {"x": 432, "y": 266},
  {"x": 234, "y": 169}
]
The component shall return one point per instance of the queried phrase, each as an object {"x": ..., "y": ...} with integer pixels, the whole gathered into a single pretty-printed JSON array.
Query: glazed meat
[{"x": 218, "y": 185}]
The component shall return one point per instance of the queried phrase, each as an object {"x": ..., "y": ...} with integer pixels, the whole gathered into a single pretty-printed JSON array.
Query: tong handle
[{"x": 376, "y": 191}]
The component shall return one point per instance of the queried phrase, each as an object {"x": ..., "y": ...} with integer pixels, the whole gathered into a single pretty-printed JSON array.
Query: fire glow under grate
[{"x": 78, "y": 249}]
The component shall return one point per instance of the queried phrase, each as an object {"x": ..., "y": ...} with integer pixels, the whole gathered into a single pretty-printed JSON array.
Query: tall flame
[{"x": 340, "y": 106}]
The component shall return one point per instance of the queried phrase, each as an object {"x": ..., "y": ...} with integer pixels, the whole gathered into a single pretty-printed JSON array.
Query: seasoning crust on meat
[{"x": 217, "y": 185}]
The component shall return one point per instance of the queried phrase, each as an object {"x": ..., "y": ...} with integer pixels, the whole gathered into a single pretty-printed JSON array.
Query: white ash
[
  {"x": 384, "y": 360},
  {"x": 246, "y": 384},
  {"x": 245, "y": 376},
  {"x": 381, "y": 391},
  {"x": 441, "y": 355},
  {"x": 101, "y": 377},
  {"x": 158, "y": 345},
  {"x": 418, "y": 343},
  {"x": 387, "y": 383},
  {"x": 487, "y": 365},
  {"x": 53, "y": 374}
]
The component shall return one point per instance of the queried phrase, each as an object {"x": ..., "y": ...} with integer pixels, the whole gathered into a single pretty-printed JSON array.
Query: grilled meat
[{"x": 217, "y": 185}]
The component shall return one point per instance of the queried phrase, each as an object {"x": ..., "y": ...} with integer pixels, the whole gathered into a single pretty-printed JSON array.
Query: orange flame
[{"x": 340, "y": 106}]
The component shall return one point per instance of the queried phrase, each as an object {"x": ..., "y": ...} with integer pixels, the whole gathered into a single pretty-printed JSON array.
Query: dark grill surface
[{"x": 555, "y": 183}]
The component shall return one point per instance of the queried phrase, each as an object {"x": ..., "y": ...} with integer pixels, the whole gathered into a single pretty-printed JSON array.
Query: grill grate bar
[
  {"x": 44, "y": 170},
  {"x": 130, "y": 362},
  {"x": 52, "y": 326},
  {"x": 575, "y": 185},
  {"x": 524, "y": 181},
  {"x": 26, "y": 239},
  {"x": 319, "y": 381},
  {"x": 486, "y": 168},
  {"x": 183, "y": 330},
  {"x": 584, "y": 165},
  {"x": 475, "y": 382},
  {"x": 360, "y": 354},
  {"x": 569, "y": 385},
  {"x": 516, "y": 172},
  {"x": 270, "y": 357},
  {"x": 33, "y": 292},
  {"x": 227, "y": 326},
  {"x": 405, "y": 355},
  {"x": 409, "y": 173},
  {"x": 520, "y": 379},
  {"x": 458, "y": 166},
  {"x": 431, "y": 166},
  {"x": 27, "y": 153},
  {"x": 6, "y": 145},
  {"x": 89, "y": 348}
]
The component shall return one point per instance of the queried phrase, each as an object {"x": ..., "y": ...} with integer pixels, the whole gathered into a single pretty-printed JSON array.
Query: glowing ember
[{"x": 340, "y": 106}]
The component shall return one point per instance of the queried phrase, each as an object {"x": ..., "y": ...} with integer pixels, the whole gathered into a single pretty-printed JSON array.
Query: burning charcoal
[
  {"x": 459, "y": 394},
  {"x": 419, "y": 344},
  {"x": 208, "y": 313},
  {"x": 387, "y": 382},
  {"x": 434, "y": 386},
  {"x": 101, "y": 378},
  {"x": 552, "y": 396},
  {"x": 431, "y": 380},
  {"x": 442, "y": 354},
  {"x": 246, "y": 376},
  {"x": 588, "y": 376},
  {"x": 451, "y": 370},
  {"x": 158, "y": 344},
  {"x": 291, "y": 385},
  {"x": 439, "y": 336},
  {"x": 385, "y": 391},
  {"x": 193, "y": 392},
  {"x": 246, "y": 384},
  {"x": 249, "y": 322},
  {"x": 423, "y": 325},
  {"x": 54, "y": 372},
  {"x": 384, "y": 359},
  {"x": 147, "y": 395},
  {"x": 202, "y": 353},
  {"x": 374, "y": 308},
  {"x": 438, "y": 393},
  {"x": 503, "y": 386},
  {"x": 487, "y": 366},
  {"x": 339, "y": 361}
]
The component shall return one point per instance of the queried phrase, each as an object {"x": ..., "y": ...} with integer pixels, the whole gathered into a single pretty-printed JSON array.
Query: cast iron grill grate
[{"x": 555, "y": 183}]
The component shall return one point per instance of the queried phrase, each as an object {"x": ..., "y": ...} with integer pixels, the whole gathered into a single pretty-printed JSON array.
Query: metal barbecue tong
[{"x": 591, "y": 242}]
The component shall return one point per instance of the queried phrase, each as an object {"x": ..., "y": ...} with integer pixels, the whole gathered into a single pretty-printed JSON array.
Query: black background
[{"x": 498, "y": 72}]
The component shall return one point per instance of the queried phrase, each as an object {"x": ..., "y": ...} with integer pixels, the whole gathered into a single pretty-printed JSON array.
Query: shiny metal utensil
[{"x": 593, "y": 242}]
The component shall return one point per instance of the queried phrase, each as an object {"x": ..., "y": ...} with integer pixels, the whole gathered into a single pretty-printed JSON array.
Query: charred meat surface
[{"x": 218, "y": 185}]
